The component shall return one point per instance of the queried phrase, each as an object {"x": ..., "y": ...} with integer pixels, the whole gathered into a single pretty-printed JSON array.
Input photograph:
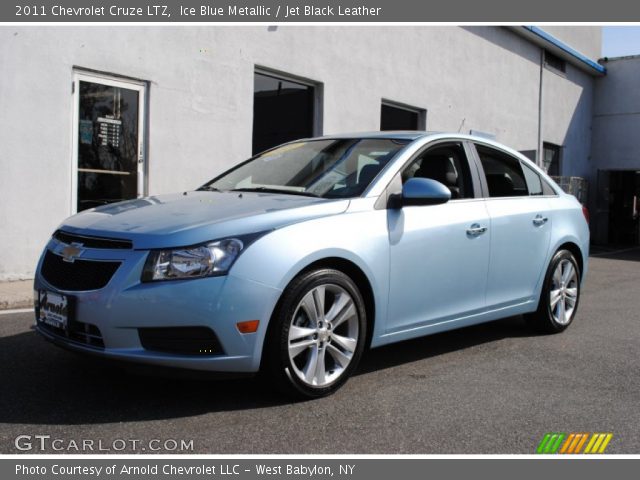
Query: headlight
[{"x": 210, "y": 259}]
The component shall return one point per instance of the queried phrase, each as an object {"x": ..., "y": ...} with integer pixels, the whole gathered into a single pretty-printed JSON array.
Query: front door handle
[
  {"x": 539, "y": 220},
  {"x": 475, "y": 230}
]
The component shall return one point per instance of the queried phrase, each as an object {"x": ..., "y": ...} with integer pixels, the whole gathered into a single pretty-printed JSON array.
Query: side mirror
[{"x": 424, "y": 191}]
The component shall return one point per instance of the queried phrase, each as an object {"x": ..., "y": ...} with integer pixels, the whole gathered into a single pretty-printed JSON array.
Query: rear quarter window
[{"x": 534, "y": 182}]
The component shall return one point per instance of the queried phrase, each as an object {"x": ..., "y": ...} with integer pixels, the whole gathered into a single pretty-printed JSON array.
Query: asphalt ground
[{"x": 493, "y": 388}]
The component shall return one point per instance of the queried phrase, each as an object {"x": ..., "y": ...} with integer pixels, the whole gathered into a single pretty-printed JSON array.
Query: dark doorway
[
  {"x": 399, "y": 118},
  {"x": 624, "y": 206},
  {"x": 283, "y": 110}
]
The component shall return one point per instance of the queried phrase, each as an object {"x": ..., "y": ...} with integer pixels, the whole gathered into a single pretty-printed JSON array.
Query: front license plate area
[{"x": 53, "y": 309}]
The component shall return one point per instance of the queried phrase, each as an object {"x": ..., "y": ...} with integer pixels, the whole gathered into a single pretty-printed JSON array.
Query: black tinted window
[
  {"x": 282, "y": 111},
  {"x": 504, "y": 174},
  {"x": 445, "y": 163},
  {"x": 396, "y": 118}
]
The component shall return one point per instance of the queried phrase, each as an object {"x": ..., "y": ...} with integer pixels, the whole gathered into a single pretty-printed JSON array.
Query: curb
[
  {"x": 14, "y": 305},
  {"x": 16, "y": 294}
]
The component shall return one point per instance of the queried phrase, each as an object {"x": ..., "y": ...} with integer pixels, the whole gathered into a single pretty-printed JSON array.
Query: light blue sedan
[{"x": 295, "y": 261}]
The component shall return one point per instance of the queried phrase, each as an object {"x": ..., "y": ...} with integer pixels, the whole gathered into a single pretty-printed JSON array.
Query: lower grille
[
  {"x": 181, "y": 340},
  {"x": 77, "y": 275},
  {"x": 79, "y": 332}
]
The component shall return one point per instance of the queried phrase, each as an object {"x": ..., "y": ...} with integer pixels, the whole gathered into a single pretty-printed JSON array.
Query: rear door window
[{"x": 504, "y": 174}]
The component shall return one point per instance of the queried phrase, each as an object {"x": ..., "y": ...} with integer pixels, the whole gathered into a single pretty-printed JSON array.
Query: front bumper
[{"x": 126, "y": 305}]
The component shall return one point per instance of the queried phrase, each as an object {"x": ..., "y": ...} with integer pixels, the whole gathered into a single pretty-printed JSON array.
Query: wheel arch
[
  {"x": 543, "y": 318},
  {"x": 350, "y": 269},
  {"x": 575, "y": 251},
  {"x": 572, "y": 246},
  {"x": 361, "y": 280}
]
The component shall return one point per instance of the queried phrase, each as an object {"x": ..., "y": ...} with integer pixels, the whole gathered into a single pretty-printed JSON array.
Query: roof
[
  {"x": 395, "y": 134},
  {"x": 415, "y": 135},
  {"x": 409, "y": 135}
]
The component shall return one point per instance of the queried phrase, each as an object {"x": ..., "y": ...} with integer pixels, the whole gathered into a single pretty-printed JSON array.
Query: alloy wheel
[
  {"x": 563, "y": 294},
  {"x": 323, "y": 335}
]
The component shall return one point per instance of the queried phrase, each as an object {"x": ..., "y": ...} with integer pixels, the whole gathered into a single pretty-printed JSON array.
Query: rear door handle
[
  {"x": 475, "y": 230},
  {"x": 539, "y": 220}
]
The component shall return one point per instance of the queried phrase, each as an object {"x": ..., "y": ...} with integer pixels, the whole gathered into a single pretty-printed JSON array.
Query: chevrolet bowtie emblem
[{"x": 71, "y": 252}]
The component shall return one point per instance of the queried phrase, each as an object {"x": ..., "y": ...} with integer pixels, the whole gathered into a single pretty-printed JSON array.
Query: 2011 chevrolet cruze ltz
[{"x": 295, "y": 261}]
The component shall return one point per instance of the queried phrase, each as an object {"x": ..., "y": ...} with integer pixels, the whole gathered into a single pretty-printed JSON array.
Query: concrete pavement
[{"x": 17, "y": 294}]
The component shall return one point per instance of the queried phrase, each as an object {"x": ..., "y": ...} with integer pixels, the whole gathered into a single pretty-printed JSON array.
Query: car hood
[{"x": 195, "y": 217}]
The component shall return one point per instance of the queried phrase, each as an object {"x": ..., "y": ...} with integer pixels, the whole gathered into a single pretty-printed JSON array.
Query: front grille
[
  {"x": 93, "y": 242},
  {"x": 181, "y": 340},
  {"x": 79, "y": 332},
  {"x": 77, "y": 275}
]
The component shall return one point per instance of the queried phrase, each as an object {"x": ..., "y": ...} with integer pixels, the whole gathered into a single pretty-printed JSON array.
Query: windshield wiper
[
  {"x": 274, "y": 190},
  {"x": 208, "y": 188}
]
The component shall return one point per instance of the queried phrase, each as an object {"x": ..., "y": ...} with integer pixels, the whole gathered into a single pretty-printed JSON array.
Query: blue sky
[{"x": 620, "y": 41}]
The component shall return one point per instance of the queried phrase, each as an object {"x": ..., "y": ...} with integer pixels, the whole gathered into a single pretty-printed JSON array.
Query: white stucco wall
[
  {"x": 585, "y": 39},
  {"x": 201, "y": 100},
  {"x": 567, "y": 117}
]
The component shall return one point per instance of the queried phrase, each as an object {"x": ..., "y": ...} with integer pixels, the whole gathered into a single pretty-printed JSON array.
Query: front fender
[{"x": 359, "y": 237}]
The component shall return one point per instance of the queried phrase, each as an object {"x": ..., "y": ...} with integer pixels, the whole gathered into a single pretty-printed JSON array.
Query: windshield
[{"x": 338, "y": 168}]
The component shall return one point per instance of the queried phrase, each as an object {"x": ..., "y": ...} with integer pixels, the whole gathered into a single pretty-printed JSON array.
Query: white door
[{"x": 108, "y": 140}]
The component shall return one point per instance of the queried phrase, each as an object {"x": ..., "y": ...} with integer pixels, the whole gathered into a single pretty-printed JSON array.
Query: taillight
[{"x": 585, "y": 212}]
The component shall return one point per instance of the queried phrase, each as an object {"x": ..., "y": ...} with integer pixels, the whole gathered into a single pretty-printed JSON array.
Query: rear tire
[
  {"x": 560, "y": 295},
  {"x": 317, "y": 335}
]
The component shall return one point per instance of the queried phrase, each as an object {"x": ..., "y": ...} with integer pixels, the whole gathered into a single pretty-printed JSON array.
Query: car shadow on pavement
[
  {"x": 44, "y": 385},
  {"x": 421, "y": 348}
]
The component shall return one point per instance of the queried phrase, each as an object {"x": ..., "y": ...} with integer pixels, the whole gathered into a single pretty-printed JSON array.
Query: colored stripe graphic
[
  {"x": 590, "y": 444},
  {"x": 572, "y": 443},
  {"x": 550, "y": 443},
  {"x": 567, "y": 443},
  {"x": 556, "y": 445},
  {"x": 543, "y": 442},
  {"x": 598, "y": 443},
  {"x": 605, "y": 444},
  {"x": 581, "y": 443}
]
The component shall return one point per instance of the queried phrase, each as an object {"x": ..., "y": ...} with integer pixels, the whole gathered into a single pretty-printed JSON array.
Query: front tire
[
  {"x": 317, "y": 335},
  {"x": 560, "y": 295}
]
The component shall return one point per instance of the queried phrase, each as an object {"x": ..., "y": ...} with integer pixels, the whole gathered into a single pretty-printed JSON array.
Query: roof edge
[
  {"x": 622, "y": 57},
  {"x": 545, "y": 40}
]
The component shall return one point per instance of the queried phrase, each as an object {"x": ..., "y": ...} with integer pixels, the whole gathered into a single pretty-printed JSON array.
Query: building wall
[
  {"x": 567, "y": 108},
  {"x": 201, "y": 94},
  {"x": 616, "y": 126},
  {"x": 584, "y": 39}
]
